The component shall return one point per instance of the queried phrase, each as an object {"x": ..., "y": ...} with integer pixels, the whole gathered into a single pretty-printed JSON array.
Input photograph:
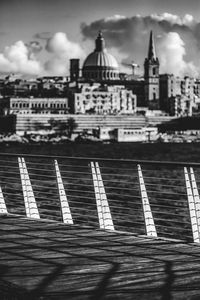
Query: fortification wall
[{"x": 35, "y": 121}]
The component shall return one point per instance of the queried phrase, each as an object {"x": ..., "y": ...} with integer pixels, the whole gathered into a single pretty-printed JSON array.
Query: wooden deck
[{"x": 49, "y": 260}]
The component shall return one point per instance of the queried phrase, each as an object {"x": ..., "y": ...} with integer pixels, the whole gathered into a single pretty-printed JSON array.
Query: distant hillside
[{"x": 180, "y": 124}]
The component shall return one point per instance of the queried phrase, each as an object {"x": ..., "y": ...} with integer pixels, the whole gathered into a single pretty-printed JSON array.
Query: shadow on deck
[{"x": 49, "y": 260}]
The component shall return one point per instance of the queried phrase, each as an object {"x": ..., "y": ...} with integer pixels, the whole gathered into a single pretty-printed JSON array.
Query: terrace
[{"x": 82, "y": 228}]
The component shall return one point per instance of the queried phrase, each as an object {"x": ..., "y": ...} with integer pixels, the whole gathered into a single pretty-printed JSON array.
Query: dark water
[{"x": 158, "y": 151}]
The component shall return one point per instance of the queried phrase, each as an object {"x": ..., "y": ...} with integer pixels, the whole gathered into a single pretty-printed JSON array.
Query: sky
[{"x": 38, "y": 37}]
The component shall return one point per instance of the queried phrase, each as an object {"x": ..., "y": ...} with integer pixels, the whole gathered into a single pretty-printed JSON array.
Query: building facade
[
  {"x": 38, "y": 106},
  {"x": 179, "y": 96},
  {"x": 98, "y": 99}
]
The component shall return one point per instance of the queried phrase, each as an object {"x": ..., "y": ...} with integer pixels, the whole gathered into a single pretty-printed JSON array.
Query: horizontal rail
[{"x": 89, "y": 159}]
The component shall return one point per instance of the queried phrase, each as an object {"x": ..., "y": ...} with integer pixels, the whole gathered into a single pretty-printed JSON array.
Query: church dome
[{"x": 100, "y": 65}]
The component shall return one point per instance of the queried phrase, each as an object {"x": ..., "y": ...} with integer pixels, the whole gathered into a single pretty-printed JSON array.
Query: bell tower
[{"x": 151, "y": 76}]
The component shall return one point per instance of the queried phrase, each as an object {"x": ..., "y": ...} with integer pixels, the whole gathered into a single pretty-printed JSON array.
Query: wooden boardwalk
[{"x": 49, "y": 260}]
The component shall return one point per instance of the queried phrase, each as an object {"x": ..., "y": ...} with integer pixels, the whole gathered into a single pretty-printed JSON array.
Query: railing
[{"x": 158, "y": 199}]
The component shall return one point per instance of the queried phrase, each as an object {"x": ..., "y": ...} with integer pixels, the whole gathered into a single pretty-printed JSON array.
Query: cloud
[
  {"x": 42, "y": 35},
  {"x": 61, "y": 50},
  {"x": 34, "y": 47},
  {"x": 16, "y": 59},
  {"x": 172, "y": 52},
  {"x": 130, "y": 36},
  {"x": 23, "y": 58}
]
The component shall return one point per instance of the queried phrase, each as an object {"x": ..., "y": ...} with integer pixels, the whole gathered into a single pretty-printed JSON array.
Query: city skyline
[{"x": 39, "y": 37}]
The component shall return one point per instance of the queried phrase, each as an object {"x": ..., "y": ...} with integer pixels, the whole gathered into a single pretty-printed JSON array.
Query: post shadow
[{"x": 167, "y": 287}]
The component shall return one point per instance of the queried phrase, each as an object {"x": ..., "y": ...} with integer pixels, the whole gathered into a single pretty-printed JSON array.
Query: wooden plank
[{"x": 58, "y": 261}]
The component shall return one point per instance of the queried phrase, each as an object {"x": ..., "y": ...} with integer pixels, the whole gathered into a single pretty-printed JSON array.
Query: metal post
[
  {"x": 97, "y": 196},
  {"x": 148, "y": 217},
  {"x": 192, "y": 209},
  {"x": 29, "y": 199},
  {"x": 24, "y": 189},
  {"x": 66, "y": 212},
  {"x": 3, "y": 208},
  {"x": 108, "y": 222},
  {"x": 196, "y": 197},
  {"x": 33, "y": 209}
]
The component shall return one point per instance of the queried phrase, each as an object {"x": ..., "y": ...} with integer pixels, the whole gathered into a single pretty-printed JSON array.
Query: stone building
[
  {"x": 103, "y": 99},
  {"x": 179, "y": 96},
  {"x": 99, "y": 90},
  {"x": 39, "y": 106}
]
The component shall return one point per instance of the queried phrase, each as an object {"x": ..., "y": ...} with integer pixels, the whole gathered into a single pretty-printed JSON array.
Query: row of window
[
  {"x": 102, "y": 104},
  {"x": 24, "y": 112},
  {"x": 38, "y": 105},
  {"x": 100, "y": 75},
  {"x": 133, "y": 132}
]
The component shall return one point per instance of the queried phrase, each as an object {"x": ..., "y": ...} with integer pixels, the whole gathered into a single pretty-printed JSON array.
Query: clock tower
[{"x": 151, "y": 76}]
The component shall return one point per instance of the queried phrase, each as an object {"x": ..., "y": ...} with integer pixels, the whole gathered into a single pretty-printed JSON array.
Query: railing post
[
  {"x": 97, "y": 196},
  {"x": 108, "y": 222},
  {"x": 196, "y": 197},
  {"x": 104, "y": 214},
  {"x": 148, "y": 217},
  {"x": 192, "y": 208},
  {"x": 24, "y": 189},
  {"x": 66, "y": 212},
  {"x": 3, "y": 208},
  {"x": 29, "y": 198},
  {"x": 34, "y": 213}
]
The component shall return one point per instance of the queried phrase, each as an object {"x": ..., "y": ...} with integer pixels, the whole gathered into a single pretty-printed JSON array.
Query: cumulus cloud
[
  {"x": 177, "y": 42},
  {"x": 61, "y": 50},
  {"x": 130, "y": 37},
  {"x": 16, "y": 59},
  {"x": 187, "y": 20},
  {"x": 172, "y": 52},
  {"x": 34, "y": 48},
  {"x": 23, "y": 59}
]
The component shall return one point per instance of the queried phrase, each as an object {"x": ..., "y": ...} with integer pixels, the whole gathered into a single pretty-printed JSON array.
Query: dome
[
  {"x": 100, "y": 65},
  {"x": 101, "y": 59}
]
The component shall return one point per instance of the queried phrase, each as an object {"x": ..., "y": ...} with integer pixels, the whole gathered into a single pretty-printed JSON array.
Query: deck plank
[{"x": 49, "y": 260}]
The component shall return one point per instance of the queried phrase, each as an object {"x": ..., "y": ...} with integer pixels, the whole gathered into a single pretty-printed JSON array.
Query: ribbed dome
[
  {"x": 101, "y": 59},
  {"x": 100, "y": 65}
]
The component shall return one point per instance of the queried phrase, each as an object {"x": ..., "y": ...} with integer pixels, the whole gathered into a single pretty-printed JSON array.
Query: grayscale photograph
[{"x": 99, "y": 150}]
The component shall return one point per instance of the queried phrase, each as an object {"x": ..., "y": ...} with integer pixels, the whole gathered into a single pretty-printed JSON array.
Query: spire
[
  {"x": 100, "y": 42},
  {"x": 152, "y": 50}
]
